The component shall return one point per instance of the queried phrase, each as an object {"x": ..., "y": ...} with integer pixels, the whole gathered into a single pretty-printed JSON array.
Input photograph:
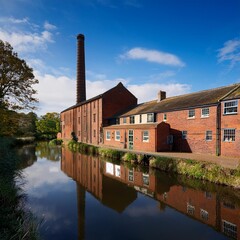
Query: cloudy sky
[{"x": 179, "y": 46}]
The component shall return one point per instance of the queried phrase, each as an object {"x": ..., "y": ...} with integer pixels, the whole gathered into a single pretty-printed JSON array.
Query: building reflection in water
[{"x": 116, "y": 186}]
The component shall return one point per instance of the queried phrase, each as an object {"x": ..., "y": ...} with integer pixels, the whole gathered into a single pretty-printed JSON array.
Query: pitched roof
[
  {"x": 192, "y": 100},
  {"x": 93, "y": 98}
]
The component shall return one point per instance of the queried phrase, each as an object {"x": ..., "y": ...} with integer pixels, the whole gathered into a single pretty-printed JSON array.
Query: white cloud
[
  {"x": 26, "y": 42},
  {"x": 148, "y": 91},
  {"x": 153, "y": 56},
  {"x": 49, "y": 26},
  {"x": 57, "y": 93},
  {"x": 13, "y": 20},
  {"x": 28, "y": 37},
  {"x": 230, "y": 52}
]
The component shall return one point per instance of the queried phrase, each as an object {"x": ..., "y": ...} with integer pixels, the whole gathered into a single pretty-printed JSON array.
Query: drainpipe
[{"x": 218, "y": 129}]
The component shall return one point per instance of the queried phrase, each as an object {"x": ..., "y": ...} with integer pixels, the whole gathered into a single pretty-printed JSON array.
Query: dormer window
[
  {"x": 132, "y": 119},
  {"x": 230, "y": 107},
  {"x": 150, "y": 117}
]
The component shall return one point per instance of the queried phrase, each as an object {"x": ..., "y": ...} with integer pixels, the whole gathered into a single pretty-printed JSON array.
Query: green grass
[
  {"x": 15, "y": 221},
  {"x": 191, "y": 168},
  {"x": 199, "y": 170}
]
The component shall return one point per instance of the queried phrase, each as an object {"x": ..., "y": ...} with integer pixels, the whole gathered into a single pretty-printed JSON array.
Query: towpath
[{"x": 227, "y": 162}]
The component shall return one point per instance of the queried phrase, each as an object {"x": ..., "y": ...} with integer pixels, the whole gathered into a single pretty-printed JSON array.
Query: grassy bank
[
  {"x": 190, "y": 168},
  {"x": 199, "y": 170},
  {"x": 15, "y": 221}
]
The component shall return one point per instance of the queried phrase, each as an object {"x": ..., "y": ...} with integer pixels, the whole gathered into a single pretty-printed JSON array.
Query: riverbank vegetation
[
  {"x": 16, "y": 222},
  {"x": 190, "y": 168}
]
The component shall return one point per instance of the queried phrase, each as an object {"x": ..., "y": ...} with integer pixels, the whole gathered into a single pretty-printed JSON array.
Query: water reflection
[{"x": 118, "y": 186}]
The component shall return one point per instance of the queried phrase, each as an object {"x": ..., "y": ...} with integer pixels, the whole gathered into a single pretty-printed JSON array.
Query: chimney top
[
  {"x": 80, "y": 36},
  {"x": 161, "y": 96}
]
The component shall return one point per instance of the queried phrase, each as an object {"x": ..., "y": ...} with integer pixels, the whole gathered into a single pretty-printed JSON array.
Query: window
[
  {"x": 108, "y": 135},
  {"x": 145, "y": 136},
  {"x": 117, "y": 135},
  {"x": 164, "y": 117},
  {"x": 94, "y": 117},
  {"x": 140, "y": 118},
  {"x": 184, "y": 134},
  {"x": 150, "y": 117},
  {"x": 230, "y": 107},
  {"x": 132, "y": 119},
  {"x": 94, "y": 133},
  {"x": 78, "y": 133},
  {"x": 205, "y": 112},
  {"x": 145, "y": 179},
  {"x": 208, "y": 135},
  {"x": 190, "y": 209},
  {"x": 208, "y": 195},
  {"x": 229, "y": 135},
  {"x": 130, "y": 175},
  {"x": 94, "y": 104},
  {"x": 229, "y": 229},
  {"x": 124, "y": 120},
  {"x": 78, "y": 120},
  {"x": 204, "y": 214},
  {"x": 191, "y": 113}
]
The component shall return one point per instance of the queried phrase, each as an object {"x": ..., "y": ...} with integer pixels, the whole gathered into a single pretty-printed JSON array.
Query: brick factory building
[{"x": 202, "y": 122}]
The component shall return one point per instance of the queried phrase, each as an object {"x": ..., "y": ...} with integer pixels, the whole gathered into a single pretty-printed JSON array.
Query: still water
[{"x": 83, "y": 197}]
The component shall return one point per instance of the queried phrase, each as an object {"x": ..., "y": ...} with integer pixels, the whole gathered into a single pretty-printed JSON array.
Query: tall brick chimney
[{"x": 81, "y": 81}]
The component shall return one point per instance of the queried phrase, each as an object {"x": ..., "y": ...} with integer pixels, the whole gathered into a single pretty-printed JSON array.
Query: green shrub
[
  {"x": 110, "y": 153},
  {"x": 128, "y": 157},
  {"x": 55, "y": 142}
]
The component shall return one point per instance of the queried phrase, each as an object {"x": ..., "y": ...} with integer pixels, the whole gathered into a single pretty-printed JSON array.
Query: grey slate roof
[{"x": 186, "y": 101}]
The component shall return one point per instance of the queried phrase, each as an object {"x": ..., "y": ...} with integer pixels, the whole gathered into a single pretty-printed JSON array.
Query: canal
[{"x": 76, "y": 196}]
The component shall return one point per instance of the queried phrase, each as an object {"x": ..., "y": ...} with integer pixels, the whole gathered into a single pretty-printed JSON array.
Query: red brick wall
[
  {"x": 163, "y": 130},
  {"x": 179, "y": 198},
  {"x": 231, "y": 121},
  {"x": 116, "y": 101},
  {"x": 67, "y": 124},
  {"x": 230, "y": 214},
  {"x": 138, "y": 143},
  {"x": 196, "y": 130}
]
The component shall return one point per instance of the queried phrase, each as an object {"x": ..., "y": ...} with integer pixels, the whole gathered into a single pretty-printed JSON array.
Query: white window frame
[
  {"x": 190, "y": 115},
  {"x": 205, "y": 115},
  {"x": 146, "y": 179},
  {"x": 150, "y": 117},
  {"x": 132, "y": 119},
  {"x": 227, "y": 109},
  {"x": 108, "y": 135},
  {"x": 130, "y": 175},
  {"x": 204, "y": 214},
  {"x": 164, "y": 117},
  {"x": 208, "y": 136},
  {"x": 184, "y": 134},
  {"x": 124, "y": 120},
  {"x": 117, "y": 135},
  {"x": 229, "y": 135},
  {"x": 145, "y": 138},
  {"x": 229, "y": 229}
]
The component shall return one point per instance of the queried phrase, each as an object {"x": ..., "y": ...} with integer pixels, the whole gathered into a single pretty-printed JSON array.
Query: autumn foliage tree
[{"x": 16, "y": 80}]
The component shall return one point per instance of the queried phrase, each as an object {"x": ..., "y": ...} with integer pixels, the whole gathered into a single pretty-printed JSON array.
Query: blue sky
[{"x": 179, "y": 46}]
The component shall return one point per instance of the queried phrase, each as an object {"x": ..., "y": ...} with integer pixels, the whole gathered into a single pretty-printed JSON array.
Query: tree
[
  {"x": 48, "y": 125},
  {"x": 16, "y": 80},
  {"x": 17, "y": 124}
]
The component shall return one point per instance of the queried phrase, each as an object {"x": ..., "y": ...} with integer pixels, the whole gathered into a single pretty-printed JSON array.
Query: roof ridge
[{"x": 206, "y": 90}]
